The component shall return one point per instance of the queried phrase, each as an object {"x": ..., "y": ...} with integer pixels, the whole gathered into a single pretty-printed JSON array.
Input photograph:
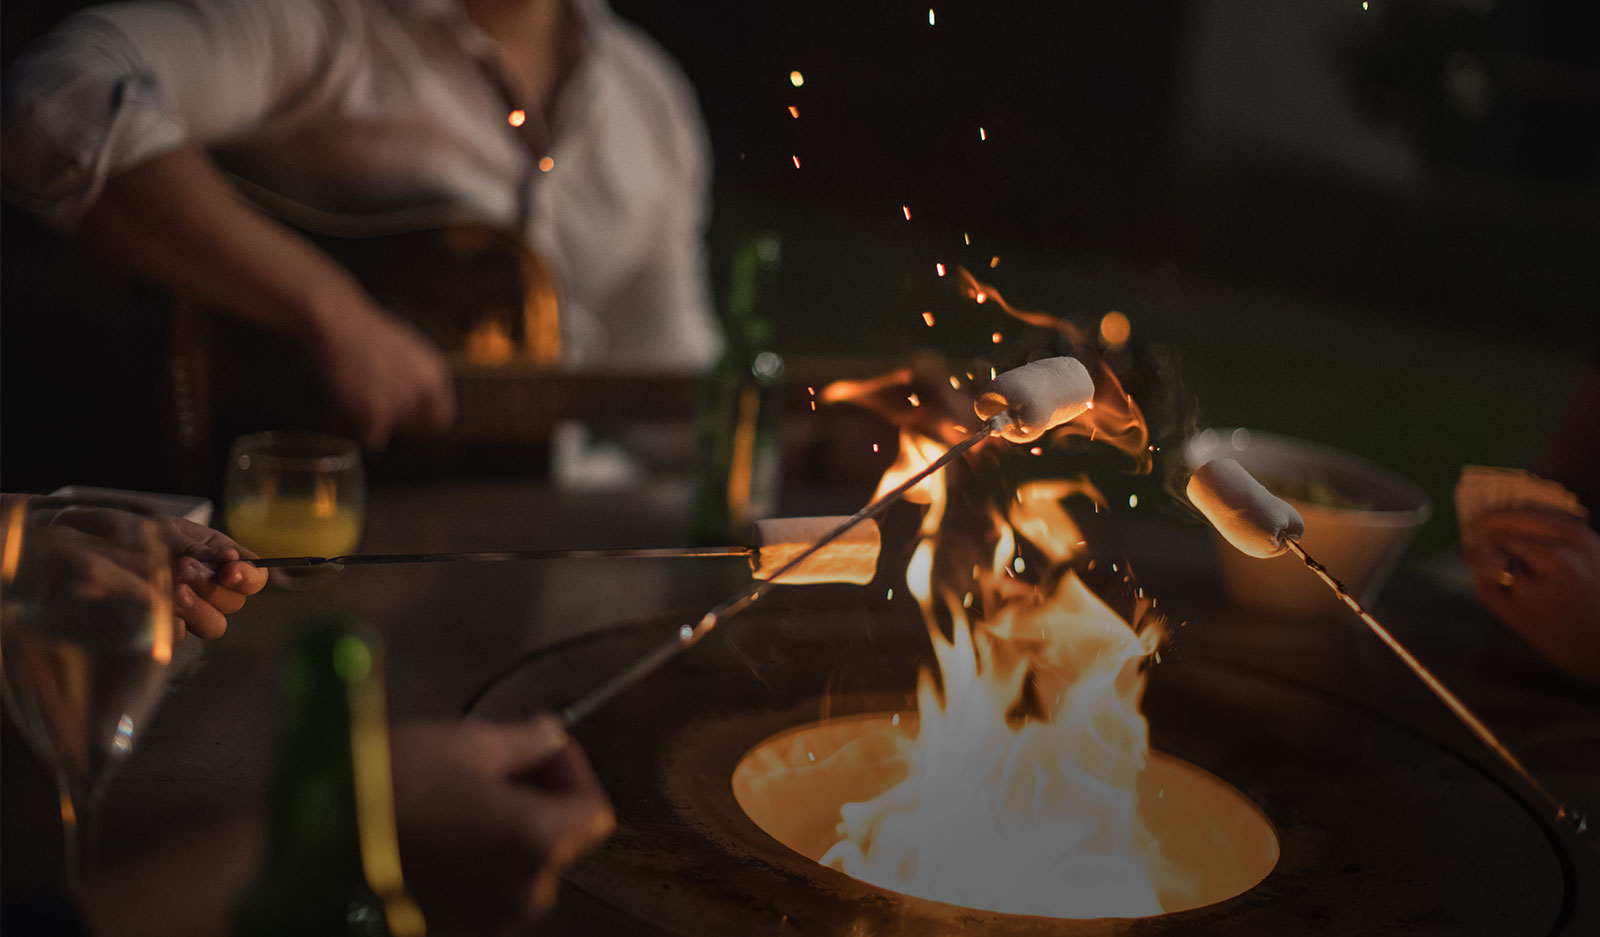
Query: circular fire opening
[{"x": 1213, "y": 841}]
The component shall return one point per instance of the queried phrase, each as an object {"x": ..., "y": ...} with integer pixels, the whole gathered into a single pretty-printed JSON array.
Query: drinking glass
[
  {"x": 295, "y": 494},
  {"x": 86, "y": 633}
]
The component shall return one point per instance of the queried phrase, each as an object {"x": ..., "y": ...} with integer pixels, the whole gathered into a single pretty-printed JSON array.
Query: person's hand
[
  {"x": 210, "y": 580},
  {"x": 1538, "y": 571},
  {"x": 491, "y": 815},
  {"x": 385, "y": 377}
]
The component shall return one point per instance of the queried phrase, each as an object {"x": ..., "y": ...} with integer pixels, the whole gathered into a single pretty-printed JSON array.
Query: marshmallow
[
  {"x": 853, "y": 557},
  {"x": 1038, "y": 397},
  {"x": 1253, "y": 519}
]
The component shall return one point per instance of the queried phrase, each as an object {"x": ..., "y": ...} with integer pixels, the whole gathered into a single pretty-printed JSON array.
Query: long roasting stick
[
  {"x": 370, "y": 559},
  {"x": 1461, "y": 711},
  {"x": 689, "y": 635}
]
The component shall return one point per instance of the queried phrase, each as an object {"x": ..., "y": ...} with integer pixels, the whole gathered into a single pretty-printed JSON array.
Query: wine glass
[
  {"x": 295, "y": 494},
  {"x": 86, "y": 632}
]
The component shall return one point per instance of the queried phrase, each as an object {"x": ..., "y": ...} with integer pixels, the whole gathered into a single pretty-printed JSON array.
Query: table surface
[{"x": 203, "y": 761}]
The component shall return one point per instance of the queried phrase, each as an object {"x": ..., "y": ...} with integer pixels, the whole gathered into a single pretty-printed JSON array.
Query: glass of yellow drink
[{"x": 295, "y": 494}]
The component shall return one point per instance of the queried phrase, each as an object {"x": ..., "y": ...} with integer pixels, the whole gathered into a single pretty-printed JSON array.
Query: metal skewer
[
  {"x": 1563, "y": 813},
  {"x": 690, "y": 634},
  {"x": 373, "y": 559}
]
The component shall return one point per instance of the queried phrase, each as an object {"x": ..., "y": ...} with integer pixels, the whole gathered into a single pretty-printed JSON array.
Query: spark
[
  {"x": 954, "y": 384},
  {"x": 930, "y": 15},
  {"x": 1036, "y": 451},
  {"x": 1133, "y": 501},
  {"x": 914, "y": 401},
  {"x": 874, "y": 447},
  {"x": 983, "y": 134},
  {"x": 890, "y": 594},
  {"x": 939, "y": 268},
  {"x": 991, "y": 374},
  {"x": 927, "y": 317},
  {"x": 980, "y": 297},
  {"x": 995, "y": 338},
  {"x": 994, "y": 261},
  {"x": 906, "y": 209},
  {"x": 796, "y": 161},
  {"x": 966, "y": 238},
  {"x": 517, "y": 117},
  {"x": 811, "y": 390},
  {"x": 546, "y": 164},
  {"x": 794, "y": 112},
  {"x": 1363, "y": 4},
  {"x": 796, "y": 79},
  {"x": 813, "y": 406}
]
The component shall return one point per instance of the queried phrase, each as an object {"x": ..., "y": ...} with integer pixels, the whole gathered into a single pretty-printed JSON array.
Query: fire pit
[{"x": 1378, "y": 829}]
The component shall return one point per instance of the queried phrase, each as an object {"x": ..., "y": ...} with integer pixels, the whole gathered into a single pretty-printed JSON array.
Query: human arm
[{"x": 105, "y": 122}]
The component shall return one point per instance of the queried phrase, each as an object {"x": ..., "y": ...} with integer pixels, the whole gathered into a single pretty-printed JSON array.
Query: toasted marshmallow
[
  {"x": 853, "y": 557},
  {"x": 1253, "y": 519},
  {"x": 1038, "y": 397}
]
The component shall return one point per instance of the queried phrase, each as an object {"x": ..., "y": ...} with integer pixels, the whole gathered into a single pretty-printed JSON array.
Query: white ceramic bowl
[{"x": 1359, "y": 546}]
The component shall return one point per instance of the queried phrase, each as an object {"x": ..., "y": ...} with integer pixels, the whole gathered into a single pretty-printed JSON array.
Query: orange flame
[{"x": 1021, "y": 795}]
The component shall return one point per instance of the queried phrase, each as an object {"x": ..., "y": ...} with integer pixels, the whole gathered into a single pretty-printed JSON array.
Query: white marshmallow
[
  {"x": 853, "y": 557},
  {"x": 1253, "y": 519},
  {"x": 1038, "y": 397}
]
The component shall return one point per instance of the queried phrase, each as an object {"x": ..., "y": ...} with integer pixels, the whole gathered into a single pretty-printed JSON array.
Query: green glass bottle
[
  {"x": 737, "y": 427},
  {"x": 332, "y": 863}
]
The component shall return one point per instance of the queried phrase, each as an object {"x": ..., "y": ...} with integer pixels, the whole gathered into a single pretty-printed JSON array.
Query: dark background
[{"x": 1378, "y": 228}]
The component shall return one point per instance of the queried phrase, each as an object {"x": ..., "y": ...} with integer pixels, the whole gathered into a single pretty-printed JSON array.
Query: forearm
[{"x": 174, "y": 220}]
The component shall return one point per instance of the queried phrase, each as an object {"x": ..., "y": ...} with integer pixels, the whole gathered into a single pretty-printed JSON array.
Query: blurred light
[
  {"x": 546, "y": 164},
  {"x": 914, "y": 401},
  {"x": 982, "y": 134},
  {"x": 517, "y": 117},
  {"x": 796, "y": 79},
  {"x": 939, "y": 268},
  {"x": 995, "y": 338},
  {"x": 874, "y": 447},
  {"x": 1034, "y": 451},
  {"x": 1115, "y": 329},
  {"x": 794, "y": 112},
  {"x": 966, "y": 238},
  {"x": 907, "y": 210},
  {"x": 980, "y": 298},
  {"x": 994, "y": 261},
  {"x": 954, "y": 384},
  {"x": 927, "y": 318},
  {"x": 796, "y": 161},
  {"x": 1133, "y": 501},
  {"x": 930, "y": 16}
]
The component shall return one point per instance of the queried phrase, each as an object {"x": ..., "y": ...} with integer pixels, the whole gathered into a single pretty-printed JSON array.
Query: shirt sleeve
[
  {"x": 671, "y": 322},
  {"x": 116, "y": 85}
]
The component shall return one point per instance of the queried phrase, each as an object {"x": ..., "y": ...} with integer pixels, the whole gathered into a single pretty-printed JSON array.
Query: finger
[
  {"x": 222, "y": 599},
  {"x": 1530, "y": 524},
  {"x": 200, "y": 617},
  {"x": 529, "y": 745},
  {"x": 243, "y": 578}
]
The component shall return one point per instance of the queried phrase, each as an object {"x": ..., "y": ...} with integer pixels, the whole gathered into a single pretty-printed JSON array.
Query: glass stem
[{"x": 79, "y": 803}]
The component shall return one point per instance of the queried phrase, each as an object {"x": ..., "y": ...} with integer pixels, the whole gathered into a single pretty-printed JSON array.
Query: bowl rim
[{"x": 1403, "y": 489}]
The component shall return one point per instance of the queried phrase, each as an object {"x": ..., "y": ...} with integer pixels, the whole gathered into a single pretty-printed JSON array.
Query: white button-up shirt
[{"x": 379, "y": 113}]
